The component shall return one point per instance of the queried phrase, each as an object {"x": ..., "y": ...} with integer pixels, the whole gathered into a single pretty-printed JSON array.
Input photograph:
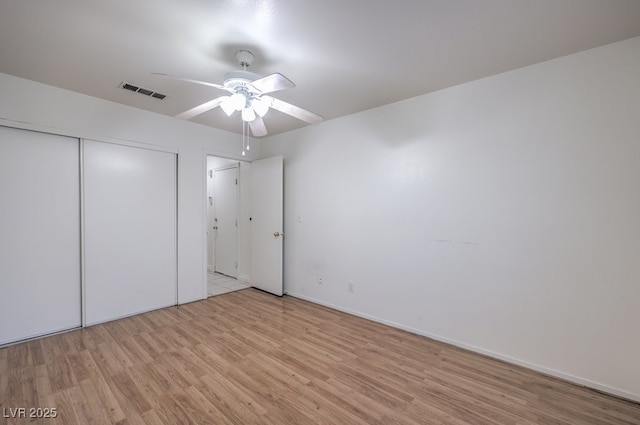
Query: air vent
[{"x": 141, "y": 90}]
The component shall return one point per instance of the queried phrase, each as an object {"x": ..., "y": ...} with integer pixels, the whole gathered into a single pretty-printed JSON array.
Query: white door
[
  {"x": 267, "y": 224},
  {"x": 130, "y": 230},
  {"x": 225, "y": 225},
  {"x": 39, "y": 234}
]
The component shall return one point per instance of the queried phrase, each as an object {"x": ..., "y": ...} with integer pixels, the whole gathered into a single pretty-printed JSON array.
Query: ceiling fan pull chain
[{"x": 244, "y": 136}]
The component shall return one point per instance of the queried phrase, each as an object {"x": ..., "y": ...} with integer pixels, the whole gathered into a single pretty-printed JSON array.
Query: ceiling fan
[{"x": 248, "y": 95}]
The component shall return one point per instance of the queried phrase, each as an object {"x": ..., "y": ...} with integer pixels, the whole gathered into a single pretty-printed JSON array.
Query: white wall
[
  {"x": 27, "y": 104},
  {"x": 500, "y": 215}
]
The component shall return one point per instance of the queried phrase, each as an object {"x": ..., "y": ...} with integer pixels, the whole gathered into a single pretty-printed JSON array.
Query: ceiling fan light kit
[
  {"x": 248, "y": 114},
  {"x": 261, "y": 106},
  {"x": 226, "y": 105},
  {"x": 249, "y": 97},
  {"x": 237, "y": 101}
]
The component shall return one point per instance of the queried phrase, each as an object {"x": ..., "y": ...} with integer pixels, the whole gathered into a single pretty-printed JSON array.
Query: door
[
  {"x": 225, "y": 226},
  {"x": 130, "y": 204},
  {"x": 39, "y": 234},
  {"x": 267, "y": 224}
]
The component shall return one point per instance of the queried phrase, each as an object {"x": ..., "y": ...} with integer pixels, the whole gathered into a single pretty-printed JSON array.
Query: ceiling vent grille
[{"x": 141, "y": 90}]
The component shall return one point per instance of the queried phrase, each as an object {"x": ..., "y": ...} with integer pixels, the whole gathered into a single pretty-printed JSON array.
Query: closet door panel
[
  {"x": 39, "y": 234},
  {"x": 130, "y": 230}
]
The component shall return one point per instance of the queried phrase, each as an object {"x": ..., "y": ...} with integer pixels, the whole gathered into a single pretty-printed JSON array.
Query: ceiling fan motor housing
[
  {"x": 241, "y": 78},
  {"x": 235, "y": 79}
]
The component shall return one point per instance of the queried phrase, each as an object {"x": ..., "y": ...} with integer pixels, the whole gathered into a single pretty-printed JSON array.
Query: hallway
[{"x": 220, "y": 284}]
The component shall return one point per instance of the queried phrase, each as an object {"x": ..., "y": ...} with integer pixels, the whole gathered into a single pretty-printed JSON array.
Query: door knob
[{"x": 276, "y": 234}]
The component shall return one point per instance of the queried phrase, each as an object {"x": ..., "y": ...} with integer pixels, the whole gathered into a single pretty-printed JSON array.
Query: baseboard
[
  {"x": 542, "y": 369},
  {"x": 39, "y": 335},
  {"x": 135, "y": 313}
]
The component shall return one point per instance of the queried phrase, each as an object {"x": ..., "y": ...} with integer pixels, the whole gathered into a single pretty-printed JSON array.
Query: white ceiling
[{"x": 345, "y": 56}]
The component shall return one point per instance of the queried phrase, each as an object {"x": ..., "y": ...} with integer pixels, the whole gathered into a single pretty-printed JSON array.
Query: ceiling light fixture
[
  {"x": 227, "y": 106},
  {"x": 249, "y": 94},
  {"x": 261, "y": 106},
  {"x": 249, "y": 104}
]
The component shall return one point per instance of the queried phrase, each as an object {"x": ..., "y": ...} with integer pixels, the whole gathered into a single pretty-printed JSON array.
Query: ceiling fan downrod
[{"x": 245, "y": 58}]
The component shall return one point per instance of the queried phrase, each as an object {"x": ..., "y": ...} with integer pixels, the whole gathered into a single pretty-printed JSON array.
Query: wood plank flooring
[{"x": 251, "y": 358}]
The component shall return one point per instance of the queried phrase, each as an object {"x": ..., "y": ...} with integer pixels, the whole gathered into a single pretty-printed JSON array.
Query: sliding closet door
[
  {"x": 130, "y": 230},
  {"x": 39, "y": 234}
]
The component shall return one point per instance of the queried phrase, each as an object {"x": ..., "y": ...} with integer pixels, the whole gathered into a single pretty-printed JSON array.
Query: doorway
[
  {"x": 227, "y": 226},
  {"x": 225, "y": 221},
  {"x": 259, "y": 249}
]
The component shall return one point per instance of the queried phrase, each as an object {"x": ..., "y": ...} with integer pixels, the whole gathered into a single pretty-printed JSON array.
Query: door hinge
[{"x": 236, "y": 181}]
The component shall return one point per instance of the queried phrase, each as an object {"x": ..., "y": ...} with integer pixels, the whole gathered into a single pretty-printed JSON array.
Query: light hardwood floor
[{"x": 251, "y": 358}]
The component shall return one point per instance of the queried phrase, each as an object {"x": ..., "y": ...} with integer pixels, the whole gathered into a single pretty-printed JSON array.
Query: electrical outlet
[
  {"x": 319, "y": 280},
  {"x": 352, "y": 287}
]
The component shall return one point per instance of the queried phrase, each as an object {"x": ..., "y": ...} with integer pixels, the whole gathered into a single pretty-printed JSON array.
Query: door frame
[{"x": 204, "y": 196}]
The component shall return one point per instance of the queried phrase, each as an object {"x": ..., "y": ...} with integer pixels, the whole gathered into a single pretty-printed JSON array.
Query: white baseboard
[{"x": 542, "y": 369}]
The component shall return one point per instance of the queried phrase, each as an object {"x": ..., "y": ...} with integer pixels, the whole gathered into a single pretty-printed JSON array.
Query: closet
[{"x": 87, "y": 232}]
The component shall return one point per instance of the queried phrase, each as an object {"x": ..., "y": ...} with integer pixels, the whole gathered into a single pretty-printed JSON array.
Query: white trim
[
  {"x": 205, "y": 249},
  {"x": 134, "y": 144},
  {"x": 224, "y": 155},
  {"x": 131, "y": 314},
  {"x": 177, "y": 229},
  {"x": 38, "y": 336},
  {"x": 532, "y": 366},
  {"x": 78, "y": 135},
  {"x": 83, "y": 291},
  {"x": 227, "y": 167}
]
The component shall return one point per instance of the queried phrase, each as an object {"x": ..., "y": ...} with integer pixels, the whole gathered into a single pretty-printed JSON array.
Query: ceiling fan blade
[
  {"x": 294, "y": 111},
  {"x": 257, "y": 127},
  {"x": 201, "y": 109},
  {"x": 272, "y": 83},
  {"x": 188, "y": 80}
]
